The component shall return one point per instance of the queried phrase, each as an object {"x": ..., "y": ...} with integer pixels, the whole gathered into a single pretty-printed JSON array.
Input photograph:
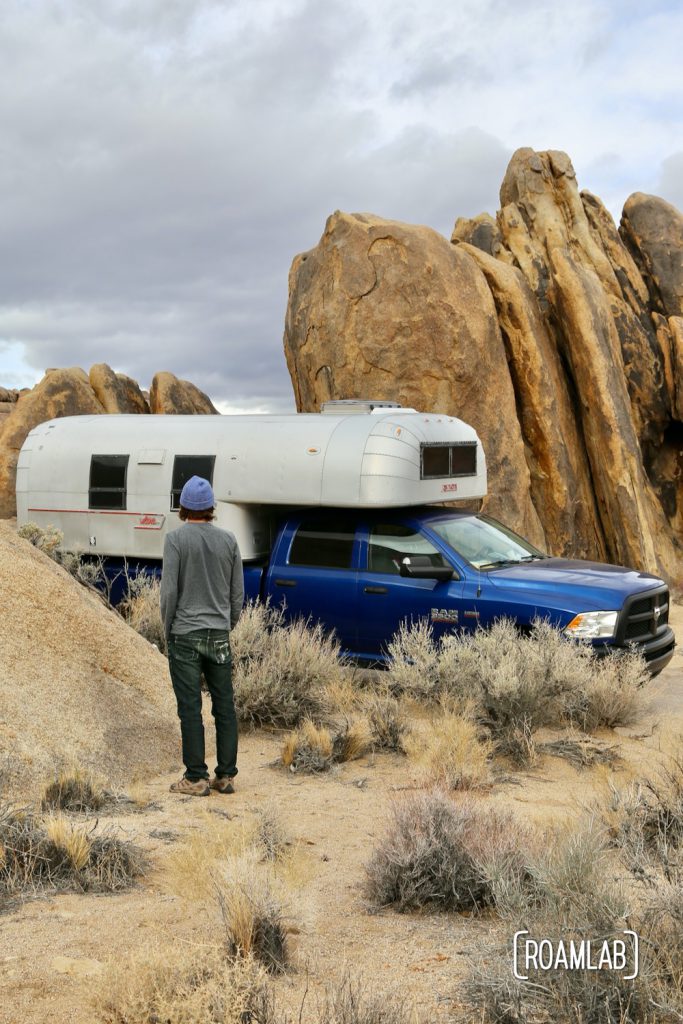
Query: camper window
[
  {"x": 323, "y": 545},
  {"x": 108, "y": 481},
  {"x": 440, "y": 460},
  {"x": 186, "y": 466}
]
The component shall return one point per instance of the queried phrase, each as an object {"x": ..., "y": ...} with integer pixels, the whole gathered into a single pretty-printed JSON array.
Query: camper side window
[
  {"x": 108, "y": 481},
  {"x": 186, "y": 466},
  {"x": 439, "y": 460},
  {"x": 323, "y": 545}
]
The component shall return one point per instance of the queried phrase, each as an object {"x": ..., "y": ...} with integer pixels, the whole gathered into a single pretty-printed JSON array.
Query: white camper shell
[{"x": 111, "y": 483}]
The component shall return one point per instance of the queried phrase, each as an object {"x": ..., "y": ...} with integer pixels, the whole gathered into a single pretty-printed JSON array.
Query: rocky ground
[{"x": 52, "y": 949}]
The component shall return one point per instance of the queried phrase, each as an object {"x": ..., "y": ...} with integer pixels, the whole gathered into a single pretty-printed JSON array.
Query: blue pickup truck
[{"x": 362, "y": 573}]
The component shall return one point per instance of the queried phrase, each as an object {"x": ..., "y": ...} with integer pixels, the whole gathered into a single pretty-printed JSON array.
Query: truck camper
[
  {"x": 337, "y": 517},
  {"x": 111, "y": 484}
]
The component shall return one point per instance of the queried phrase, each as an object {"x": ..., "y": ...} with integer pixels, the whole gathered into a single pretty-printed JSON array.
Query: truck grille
[{"x": 645, "y": 617}]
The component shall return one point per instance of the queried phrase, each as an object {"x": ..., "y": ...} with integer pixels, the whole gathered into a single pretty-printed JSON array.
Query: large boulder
[
  {"x": 582, "y": 422},
  {"x": 653, "y": 231},
  {"x": 116, "y": 392},
  {"x": 381, "y": 309},
  {"x": 169, "y": 395},
  {"x": 59, "y": 393},
  {"x": 561, "y": 487},
  {"x": 577, "y": 280}
]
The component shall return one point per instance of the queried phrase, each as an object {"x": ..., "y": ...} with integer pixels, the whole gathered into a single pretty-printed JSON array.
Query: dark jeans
[{"x": 190, "y": 654}]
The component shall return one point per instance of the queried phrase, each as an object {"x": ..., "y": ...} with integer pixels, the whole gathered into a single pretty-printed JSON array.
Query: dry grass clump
[
  {"x": 184, "y": 984},
  {"x": 253, "y": 918},
  {"x": 270, "y": 834},
  {"x": 519, "y": 683},
  {"x": 75, "y": 790},
  {"x": 445, "y": 855},
  {"x": 351, "y": 1002},
  {"x": 61, "y": 855},
  {"x": 281, "y": 670},
  {"x": 141, "y": 609},
  {"x": 451, "y": 752},
  {"x": 387, "y": 719},
  {"x": 316, "y": 748}
]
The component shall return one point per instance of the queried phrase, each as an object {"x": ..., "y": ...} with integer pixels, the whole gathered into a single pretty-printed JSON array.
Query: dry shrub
[
  {"x": 444, "y": 855},
  {"x": 141, "y": 609},
  {"x": 645, "y": 820},
  {"x": 351, "y": 1002},
  {"x": 387, "y": 719},
  {"x": 184, "y": 984},
  {"x": 252, "y": 916},
  {"x": 414, "y": 662},
  {"x": 281, "y": 671},
  {"x": 61, "y": 855},
  {"x": 47, "y": 539},
  {"x": 580, "y": 751},
  {"x": 560, "y": 997},
  {"x": 518, "y": 682},
  {"x": 573, "y": 882},
  {"x": 75, "y": 789},
  {"x": 451, "y": 752}
]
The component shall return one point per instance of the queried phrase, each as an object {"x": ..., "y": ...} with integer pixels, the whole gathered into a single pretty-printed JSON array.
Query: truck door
[
  {"x": 386, "y": 599},
  {"x": 314, "y": 573}
]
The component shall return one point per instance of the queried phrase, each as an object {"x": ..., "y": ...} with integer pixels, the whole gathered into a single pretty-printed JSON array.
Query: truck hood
[{"x": 595, "y": 584}]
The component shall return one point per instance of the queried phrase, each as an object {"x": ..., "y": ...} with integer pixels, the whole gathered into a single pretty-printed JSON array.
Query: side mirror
[{"x": 441, "y": 573}]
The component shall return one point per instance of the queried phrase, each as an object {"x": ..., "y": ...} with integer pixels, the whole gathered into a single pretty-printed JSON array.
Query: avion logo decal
[{"x": 150, "y": 521}]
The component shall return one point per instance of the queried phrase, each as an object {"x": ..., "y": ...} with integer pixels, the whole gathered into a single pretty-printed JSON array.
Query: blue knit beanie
[{"x": 197, "y": 495}]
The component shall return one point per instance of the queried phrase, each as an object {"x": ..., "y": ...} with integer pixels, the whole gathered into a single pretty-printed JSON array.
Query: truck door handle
[
  {"x": 376, "y": 590},
  {"x": 285, "y": 583}
]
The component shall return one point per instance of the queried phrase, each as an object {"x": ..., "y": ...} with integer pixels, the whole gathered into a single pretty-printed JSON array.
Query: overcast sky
[{"x": 162, "y": 161}]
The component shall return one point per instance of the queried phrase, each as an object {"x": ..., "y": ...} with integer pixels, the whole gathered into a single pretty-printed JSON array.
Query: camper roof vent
[{"x": 353, "y": 406}]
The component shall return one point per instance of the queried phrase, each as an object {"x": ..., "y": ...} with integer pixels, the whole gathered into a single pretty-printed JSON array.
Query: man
[{"x": 202, "y": 592}]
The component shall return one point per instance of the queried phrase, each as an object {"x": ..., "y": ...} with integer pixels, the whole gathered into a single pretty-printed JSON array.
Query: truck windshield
[{"x": 484, "y": 543}]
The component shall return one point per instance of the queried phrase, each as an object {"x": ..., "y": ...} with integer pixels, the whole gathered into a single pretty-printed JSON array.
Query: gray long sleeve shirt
[{"x": 202, "y": 585}]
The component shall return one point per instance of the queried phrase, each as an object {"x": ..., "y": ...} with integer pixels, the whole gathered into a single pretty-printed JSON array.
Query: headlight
[{"x": 591, "y": 625}]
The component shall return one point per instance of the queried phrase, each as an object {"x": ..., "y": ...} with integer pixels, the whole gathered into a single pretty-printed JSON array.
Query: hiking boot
[
  {"x": 188, "y": 788},
  {"x": 222, "y": 784}
]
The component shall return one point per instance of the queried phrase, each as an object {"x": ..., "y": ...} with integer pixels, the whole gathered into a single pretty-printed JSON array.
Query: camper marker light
[{"x": 592, "y": 625}]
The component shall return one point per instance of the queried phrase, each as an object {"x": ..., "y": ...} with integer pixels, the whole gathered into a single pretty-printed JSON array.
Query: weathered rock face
[
  {"x": 116, "y": 392},
  {"x": 168, "y": 394},
  {"x": 76, "y": 393},
  {"x": 59, "y": 393},
  {"x": 653, "y": 231},
  {"x": 383, "y": 309},
  {"x": 592, "y": 333}
]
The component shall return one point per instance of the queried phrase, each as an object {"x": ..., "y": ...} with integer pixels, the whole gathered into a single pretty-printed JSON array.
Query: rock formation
[
  {"x": 168, "y": 394},
  {"x": 557, "y": 336},
  {"x": 75, "y": 393},
  {"x": 116, "y": 392}
]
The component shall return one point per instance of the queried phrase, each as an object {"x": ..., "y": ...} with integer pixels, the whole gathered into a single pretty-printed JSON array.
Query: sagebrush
[{"x": 281, "y": 670}]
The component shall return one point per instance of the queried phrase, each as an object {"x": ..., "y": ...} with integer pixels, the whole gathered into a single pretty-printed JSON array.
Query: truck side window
[
  {"x": 390, "y": 543},
  {"x": 185, "y": 466},
  {"x": 108, "y": 481},
  {"x": 439, "y": 460},
  {"x": 321, "y": 544}
]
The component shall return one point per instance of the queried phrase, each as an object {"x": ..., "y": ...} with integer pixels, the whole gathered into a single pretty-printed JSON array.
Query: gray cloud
[
  {"x": 671, "y": 180},
  {"x": 162, "y": 163}
]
